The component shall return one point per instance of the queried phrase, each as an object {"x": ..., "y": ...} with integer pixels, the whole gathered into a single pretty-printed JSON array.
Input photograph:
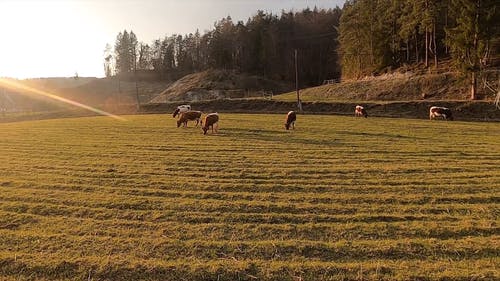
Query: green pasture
[{"x": 339, "y": 198}]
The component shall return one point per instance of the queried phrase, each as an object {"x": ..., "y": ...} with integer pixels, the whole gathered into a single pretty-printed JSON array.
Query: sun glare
[
  {"x": 48, "y": 38},
  {"x": 15, "y": 86}
]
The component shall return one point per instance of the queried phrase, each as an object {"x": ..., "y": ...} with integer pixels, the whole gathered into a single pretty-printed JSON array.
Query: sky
[{"x": 59, "y": 38}]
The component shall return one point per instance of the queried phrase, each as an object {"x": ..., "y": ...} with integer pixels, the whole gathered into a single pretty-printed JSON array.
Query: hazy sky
[{"x": 51, "y": 38}]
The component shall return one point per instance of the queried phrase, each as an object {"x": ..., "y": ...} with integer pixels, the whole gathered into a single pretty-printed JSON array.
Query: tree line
[
  {"x": 377, "y": 35},
  {"x": 264, "y": 45},
  {"x": 365, "y": 37}
]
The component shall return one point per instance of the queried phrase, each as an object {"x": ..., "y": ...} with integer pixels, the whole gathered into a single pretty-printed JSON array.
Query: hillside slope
[
  {"x": 105, "y": 93},
  {"x": 15, "y": 99},
  {"x": 216, "y": 84},
  {"x": 110, "y": 91},
  {"x": 54, "y": 83},
  {"x": 389, "y": 87}
]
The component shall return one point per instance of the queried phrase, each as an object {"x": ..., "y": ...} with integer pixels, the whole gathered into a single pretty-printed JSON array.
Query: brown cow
[
  {"x": 442, "y": 112},
  {"x": 290, "y": 119},
  {"x": 189, "y": 116},
  {"x": 211, "y": 120},
  {"x": 360, "y": 111}
]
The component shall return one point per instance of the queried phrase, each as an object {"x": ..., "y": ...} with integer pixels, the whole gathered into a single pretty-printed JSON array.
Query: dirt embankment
[
  {"x": 219, "y": 84},
  {"x": 463, "y": 110},
  {"x": 397, "y": 86}
]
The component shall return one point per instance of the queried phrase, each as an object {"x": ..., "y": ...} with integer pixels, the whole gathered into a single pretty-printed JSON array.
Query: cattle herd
[
  {"x": 211, "y": 120},
  {"x": 185, "y": 114}
]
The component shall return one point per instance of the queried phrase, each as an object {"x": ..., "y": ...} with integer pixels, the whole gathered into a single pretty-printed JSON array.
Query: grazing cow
[
  {"x": 360, "y": 111},
  {"x": 290, "y": 119},
  {"x": 189, "y": 116},
  {"x": 443, "y": 112},
  {"x": 211, "y": 120},
  {"x": 181, "y": 108}
]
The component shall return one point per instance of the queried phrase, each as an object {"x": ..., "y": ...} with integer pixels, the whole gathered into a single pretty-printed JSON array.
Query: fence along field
[{"x": 338, "y": 198}]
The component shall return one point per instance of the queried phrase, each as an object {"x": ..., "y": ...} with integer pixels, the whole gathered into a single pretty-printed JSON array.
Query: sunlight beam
[{"x": 15, "y": 86}]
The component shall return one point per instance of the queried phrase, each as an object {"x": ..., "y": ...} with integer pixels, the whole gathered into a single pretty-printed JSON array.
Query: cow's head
[
  {"x": 176, "y": 112},
  {"x": 179, "y": 123}
]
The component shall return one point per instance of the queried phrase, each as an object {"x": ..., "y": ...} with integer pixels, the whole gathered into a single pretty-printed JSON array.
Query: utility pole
[
  {"x": 299, "y": 103},
  {"x": 135, "y": 78}
]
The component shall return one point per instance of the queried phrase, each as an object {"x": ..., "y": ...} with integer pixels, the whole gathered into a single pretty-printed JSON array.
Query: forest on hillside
[
  {"x": 264, "y": 45},
  {"x": 379, "y": 35},
  {"x": 365, "y": 37}
]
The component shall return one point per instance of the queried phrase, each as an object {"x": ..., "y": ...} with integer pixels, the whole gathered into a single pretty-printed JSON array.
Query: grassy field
[{"x": 339, "y": 198}]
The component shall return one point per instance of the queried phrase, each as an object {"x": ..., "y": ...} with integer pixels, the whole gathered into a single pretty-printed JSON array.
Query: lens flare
[{"x": 15, "y": 86}]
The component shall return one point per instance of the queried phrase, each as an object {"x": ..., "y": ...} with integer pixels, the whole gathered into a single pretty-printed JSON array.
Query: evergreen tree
[
  {"x": 470, "y": 39},
  {"x": 222, "y": 44},
  {"x": 125, "y": 52},
  {"x": 132, "y": 49},
  {"x": 364, "y": 37}
]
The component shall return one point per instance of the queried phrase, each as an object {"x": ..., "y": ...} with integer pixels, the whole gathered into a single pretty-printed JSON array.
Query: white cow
[
  {"x": 443, "y": 112},
  {"x": 182, "y": 108},
  {"x": 360, "y": 111}
]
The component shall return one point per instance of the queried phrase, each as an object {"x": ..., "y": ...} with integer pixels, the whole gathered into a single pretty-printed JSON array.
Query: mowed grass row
[{"x": 338, "y": 198}]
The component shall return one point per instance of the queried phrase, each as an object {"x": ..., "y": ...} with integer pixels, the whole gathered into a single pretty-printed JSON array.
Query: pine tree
[
  {"x": 132, "y": 49},
  {"x": 365, "y": 37},
  {"x": 469, "y": 40},
  {"x": 125, "y": 52},
  {"x": 354, "y": 46}
]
